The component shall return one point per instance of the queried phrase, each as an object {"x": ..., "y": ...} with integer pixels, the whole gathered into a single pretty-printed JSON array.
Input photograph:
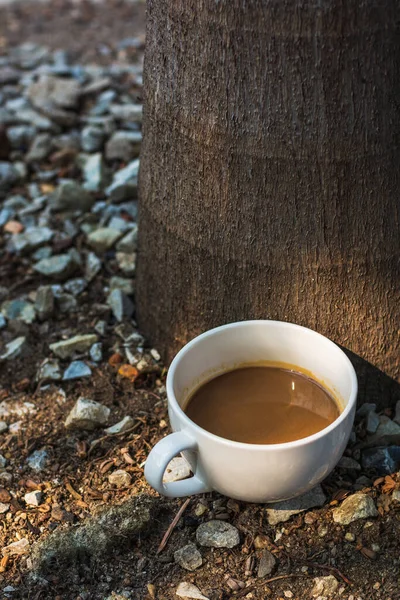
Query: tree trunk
[{"x": 269, "y": 184}]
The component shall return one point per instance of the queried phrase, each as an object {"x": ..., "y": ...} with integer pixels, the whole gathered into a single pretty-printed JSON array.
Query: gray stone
[
  {"x": 49, "y": 371},
  {"x": 120, "y": 478},
  {"x": 387, "y": 433},
  {"x": 9, "y": 177},
  {"x": 357, "y": 506},
  {"x": 21, "y": 136},
  {"x": 93, "y": 266},
  {"x": 279, "y": 512},
  {"x": 33, "y": 498},
  {"x": 123, "y": 145},
  {"x": 124, "y": 184},
  {"x": 129, "y": 242},
  {"x": 120, "y": 304},
  {"x": 383, "y": 461},
  {"x": 3, "y": 461},
  {"x": 94, "y": 173},
  {"x": 189, "y": 590},
  {"x": 119, "y": 223},
  {"x": 349, "y": 464},
  {"x": 103, "y": 238},
  {"x": 71, "y": 196},
  {"x": 87, "y": 415},
  {"x": 96, "y": 537},
  {"x": 44, "y": 303},
  {"x": 364, "y": 409},
  {"x": 30, "y": 240},
  {"x": 59, "y": 91},
  {"x": 126, "y": 262},
  {"x": 19, "y": 310},
  {"x": 75, "y": 286},
  {"x": 66, "y": 303},
  {"x": 178, "y": 468},
  {"x": 123, "y": 425},
  {"x": 3, "y": 322},
  {"x": 76, "y": 370},
  {"x": 38, "y": 460},
  {"x": 77, "y": 344},
  {"x": 324, "y": 586},
  {"x": 14, "y": 348},
  {"x": 40, "y": 148},
  {"x": 188, "y": 557},
  {"x": 127, "y": 112},
  {"x": 123, "y": 284},
  {"x": 16, "y": 202},
  {"x": 6, "y": 214},
  {"x": 42, "y": 123},
  {"x": 96, "y": 352},
  {"x": 372, "y": 422},
  {"x": 101, "y": 327},
  {"x": 3, "y": 426},
  {"x": 92, "y": 139},
  {"x": 267, "y": 564},
  {"x": 59, "y": 267},
  {"x": 19, "y": 547},
  {"x": 397, "y": 414},
  {"x": 217, "y": 534}
]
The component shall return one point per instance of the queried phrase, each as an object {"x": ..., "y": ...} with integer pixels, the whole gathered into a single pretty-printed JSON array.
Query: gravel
[
  {"x": 357, "y": 506},
  {"x": 217, "y": 534}
]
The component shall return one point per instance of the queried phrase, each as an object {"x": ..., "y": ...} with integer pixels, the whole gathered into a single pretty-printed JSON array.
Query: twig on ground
[
  {"x": 328, "y": 568},
  {"x": 172, "y": 526}
]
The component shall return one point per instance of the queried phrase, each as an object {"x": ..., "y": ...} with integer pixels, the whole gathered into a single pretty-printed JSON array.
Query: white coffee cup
[{"x": 253, "y": 472}]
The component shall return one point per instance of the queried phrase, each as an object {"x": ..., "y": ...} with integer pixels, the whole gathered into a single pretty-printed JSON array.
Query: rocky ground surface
[{"x": 82, "y": 396}]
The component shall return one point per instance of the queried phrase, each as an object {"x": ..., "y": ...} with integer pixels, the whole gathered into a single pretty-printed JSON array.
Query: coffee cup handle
[{"x": 157, "y": 461}]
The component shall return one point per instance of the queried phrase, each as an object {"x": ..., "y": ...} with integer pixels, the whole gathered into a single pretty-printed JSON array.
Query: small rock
[
  {"x": 383, "y": 460},
  {"x": 44, "y": 302},
  {"x": 124, "y": 184},
  {"x": 288, "y": 594},
  {"x": 120, "y": 305},
  {"x": 75, "y": 286},
  {"x": 357, "y": 506},
  {"x": 324, "y": 586},
  {"x": 350, "y": 537},
  {"x": 120, "y": 283},
  {"x": 177, "y": 470},
  {"x": 101, "y": 327},
  {"x": 396, "y": 495},
  {"x": 14, "y": 348},
  {"x": 217, "y": 534},
  {"x": 397, "y": 413},
  {"x": 129, "y": 242},
  {"x": 19, "y": 309},
  {"x": 349, "y": 463},
  {"x": 40, "y": 148},
  {"x": 103, "y": 238},
  {"x": 49, "y": 371},
  {"x": 123, "y": 425},
  {"x": 3, "y": 461},
  {"x": 14, "y": 227},
  {"x": 33, "y": 498},
  {"x": 365, "y": 409},
  {"x": 32, "y": 117},
  {"x": 37, "y": 461},
  {"x": 87, "y": 415},
  {"x": 155, "y": 354},
  {"x": 16, "y": 548},
  {"x": 30, "y": 240},
  {"x": 9, "y": 177},
  {"x": 71, "y": 196},
  {"x": 372, "y": 422},
  {"x": 3, "y": 322},
  {"x": 78, "y": 343},
  {"x": 4, "y": 508},
  {"x": 92, "y": 139},
  {"x": 266, "y": 564},
  {"x": 189, "y": 590},
  {"x": 66, "y": 303},
  {"x": 76, "y": 370},
  {"x": 3, "y": 426},
  {"x": 387, "y": 433},
  {"x": 123, "y": 145},
  {"x": 127, "y": 112},
  {"x": 59, "y": 91},
  {"x": 126, "y": 262},
  {"x": 96, "y": 352},
  {"x": 120, "y": 478},
  {"x": 279, "y": 512},
  {"x": 188, "y": 557},
  {"x": 94, "y": 173},
  {"x": 93, "y": 266},
  {"x": 58, "y": 267}
]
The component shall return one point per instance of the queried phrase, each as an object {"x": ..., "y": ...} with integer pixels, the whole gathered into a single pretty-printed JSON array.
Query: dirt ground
[{"x": 75, "y": 484}]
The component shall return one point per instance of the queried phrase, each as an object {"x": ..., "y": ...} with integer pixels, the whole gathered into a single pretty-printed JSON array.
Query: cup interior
[{"x": 249, "y": 342}]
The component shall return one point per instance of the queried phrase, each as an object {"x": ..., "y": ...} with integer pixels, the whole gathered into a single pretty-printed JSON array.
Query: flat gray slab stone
[{"x": 279, "y": 512}]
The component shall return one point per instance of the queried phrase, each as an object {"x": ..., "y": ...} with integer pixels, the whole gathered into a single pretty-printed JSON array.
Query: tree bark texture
[{"x": 269, "y": 184}]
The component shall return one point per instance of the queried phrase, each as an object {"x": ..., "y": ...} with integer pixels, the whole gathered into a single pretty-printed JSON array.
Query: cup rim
[{"x": 173, "y": 402}]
